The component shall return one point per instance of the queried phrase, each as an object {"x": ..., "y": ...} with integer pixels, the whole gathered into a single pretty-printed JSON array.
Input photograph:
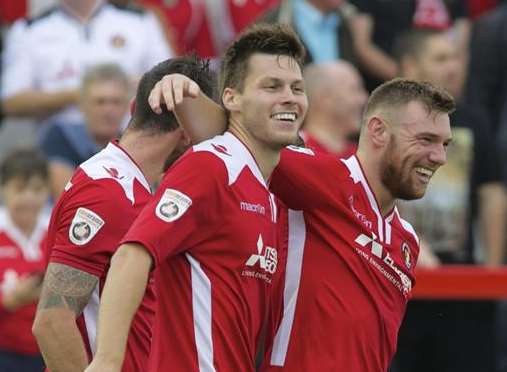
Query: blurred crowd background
[{"x": 69, "y": 69}]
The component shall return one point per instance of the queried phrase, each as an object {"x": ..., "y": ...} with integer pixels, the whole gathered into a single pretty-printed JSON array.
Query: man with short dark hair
[
  {"x": 99, "y": 204},
  {"x": 211, "y": 229}
]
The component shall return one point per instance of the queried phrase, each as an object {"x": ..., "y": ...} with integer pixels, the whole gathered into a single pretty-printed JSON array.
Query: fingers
[
  {"x": 171, "y": 91},
  {"x": 155, "y": 97}
]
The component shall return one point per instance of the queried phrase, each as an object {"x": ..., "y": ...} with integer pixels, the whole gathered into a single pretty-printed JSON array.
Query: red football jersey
[
  {"x": 312, "y": 143},
  {"x": 19, "y": 256},
  {"x": 349, "y": 271},
  {"x": 99, "y": 204},
  {"x": 211, "y": 230}
]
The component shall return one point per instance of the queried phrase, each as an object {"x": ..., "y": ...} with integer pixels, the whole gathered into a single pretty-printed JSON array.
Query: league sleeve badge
[
  {"x": 85, "y": 225},
  {"x": 172, "y": 205}
]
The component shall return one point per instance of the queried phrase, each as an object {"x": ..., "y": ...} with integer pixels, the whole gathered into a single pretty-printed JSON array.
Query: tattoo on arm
[{"x": 65, "y": 286}]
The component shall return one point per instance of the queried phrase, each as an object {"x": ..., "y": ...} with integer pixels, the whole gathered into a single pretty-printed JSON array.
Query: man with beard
[
  {"x": 351, "y": 257},
  {"x": 99, "y": 204}
]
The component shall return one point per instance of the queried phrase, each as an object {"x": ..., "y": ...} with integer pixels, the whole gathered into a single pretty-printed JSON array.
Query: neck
[
  {"x": 82, "y": 10},
  {"x": 150, "y": 151},
  {"x": 371, "y": 169},
  {"x": 267, "y": 158},
  {"x": 330, "y": 134}
]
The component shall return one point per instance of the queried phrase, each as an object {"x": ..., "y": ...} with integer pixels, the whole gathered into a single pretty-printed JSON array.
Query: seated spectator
[
  {"x": 23, "y": 225},
  {"x": 104, "y": 102},
  {"x": 337, "y": 97},
  {"x": 322, "y": 25},
  {"x": 45, "y": 57},
  {"x": 380, "y": 22}
]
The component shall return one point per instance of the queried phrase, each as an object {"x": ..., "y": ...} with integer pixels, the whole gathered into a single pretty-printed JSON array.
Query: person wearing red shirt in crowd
[
  {"x": 211, "y": 229},
  {"x": 100, "y": 202},
  {"x": 23, "y": 227},
  {"x": 351, "y": 257},
  {"x": 337, "y": 98},
  {"x": 207, "y": 26}
]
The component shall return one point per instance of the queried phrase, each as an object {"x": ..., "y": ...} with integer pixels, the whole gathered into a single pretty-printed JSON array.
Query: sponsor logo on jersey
[
  {"x": 250, "y": 207},
  {"x": 266, "y": 259},
  {"x": 118, "y": 41},
  {"x": 221, "y": 149},
  {"x": 172, "y": 205},
  {"x": 302, "y": 150},
  {"x": 360, "y": 216},
  {"x": 402, "y": 282},
  {"x": 85, "y": 225},
  {"x": 405, "y": 253}
]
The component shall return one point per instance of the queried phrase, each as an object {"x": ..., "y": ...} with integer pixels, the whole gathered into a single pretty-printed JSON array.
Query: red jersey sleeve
[
  {"x": 299, "y": 177},
  {"x": 88, "y": 226},
  {"x": 185, "y": 208}
]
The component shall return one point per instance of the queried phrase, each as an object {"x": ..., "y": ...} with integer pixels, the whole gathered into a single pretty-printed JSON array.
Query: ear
[
  {"x": 231, "y": 99},
  {"x": 378, "y": 131}
]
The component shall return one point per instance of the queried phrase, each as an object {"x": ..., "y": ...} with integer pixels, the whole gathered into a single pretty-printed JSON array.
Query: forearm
[
  {"x": 60, "y": 341},
  {"x": 376, "y": 62},
  {"x": 492, "y": 219},
  {"x": 35, "y": 103},
  {"x": 124, "y": 289},
  {"x": 201, "y": 118}
]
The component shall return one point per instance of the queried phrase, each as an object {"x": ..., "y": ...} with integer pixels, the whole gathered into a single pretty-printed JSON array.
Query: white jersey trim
[
  {"x": 236, "y": 156},
  {"x": 29, "y": 246},
  {"x": 201, "y": 310},
  {"x": 357, "y": 175},
  {"x": 407, "y": 226},
  {"x": 114, "y": 157},
  {"x": 297, "y": 237},
  {"x": 91, "y": 314}
]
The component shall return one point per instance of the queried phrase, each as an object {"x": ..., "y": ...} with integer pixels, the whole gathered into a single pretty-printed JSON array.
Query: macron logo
[
  {"x": 376, "y": 248},
  {"x": 255, "y": 208}
]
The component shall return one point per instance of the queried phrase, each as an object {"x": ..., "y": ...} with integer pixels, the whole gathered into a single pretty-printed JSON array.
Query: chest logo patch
[
  {"x": 85, "y": 225},
  {"x": 405, "y": 252},
  {"x": 172, "y": 205}
]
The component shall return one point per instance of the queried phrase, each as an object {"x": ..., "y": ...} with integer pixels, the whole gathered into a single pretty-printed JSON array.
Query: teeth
[
  {"x": 425, "y": 171},
  {"x": 290, "y": 116}
]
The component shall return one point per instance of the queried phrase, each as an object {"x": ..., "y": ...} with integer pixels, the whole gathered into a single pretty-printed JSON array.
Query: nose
[{"x": 438, "y": 155}]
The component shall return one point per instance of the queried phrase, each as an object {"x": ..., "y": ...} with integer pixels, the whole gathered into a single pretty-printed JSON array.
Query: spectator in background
[
  {"x": 104, "y": 98},
  {"x": 375, "y": 29},
  {"x": 45, "y": 57},
  {"x": 445, "y": 336},
  {"x": 23, "y": 226},
  {"x": 322, "y": 25},
  {"x": 337, "y": 97},
  {"x": 205, "y": 27}
]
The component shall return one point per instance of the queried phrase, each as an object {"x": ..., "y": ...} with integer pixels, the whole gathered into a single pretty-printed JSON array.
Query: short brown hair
[
  {"x": 275, "y": 39},
  {"x": 24, "y": 163},
  {"x": 400, "y": 92}
]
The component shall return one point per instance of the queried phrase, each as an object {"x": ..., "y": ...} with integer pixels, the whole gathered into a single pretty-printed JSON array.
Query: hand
[
  {"x": 171, "y": 90},
  {"x": 26, "y": 291}
]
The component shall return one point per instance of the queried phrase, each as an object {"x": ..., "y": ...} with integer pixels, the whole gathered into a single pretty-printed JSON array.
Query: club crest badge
[
  {"x": 85, "y": 225},
  {"x": 172, "y": 205},
  {"x": 405, "y": 252}
]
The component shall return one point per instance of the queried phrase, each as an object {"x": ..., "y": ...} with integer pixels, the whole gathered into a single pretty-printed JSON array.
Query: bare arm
[
  {"x": 200, "y": 116},
  {"x": 59, "y": 175},
  {"x": 36, "y": 103},
  {"x": 371, "y": 57},
  {"x": 65, "y": 293},
  {"x": 492, "y": 221},
  {"x": 124, "y": 289}
]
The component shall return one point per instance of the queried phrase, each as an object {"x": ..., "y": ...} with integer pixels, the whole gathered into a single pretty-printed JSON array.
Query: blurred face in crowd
[
  {"x": 272, "y": 104},
  {"x": 25, "y": 198},
  {"x": 326, "y": 6},
  {"x": 344, "y": 96},
  {"x": 104, "y": 105},
  {"x": 440, "y": 63},
  {"x": 415, "y": 150}
]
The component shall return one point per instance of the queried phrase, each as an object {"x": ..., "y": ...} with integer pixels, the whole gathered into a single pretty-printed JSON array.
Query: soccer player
[
  {"x": 95, "y": 211},
  {"x": 211, "y": 229},
  {"x": 351, "y": 257}
]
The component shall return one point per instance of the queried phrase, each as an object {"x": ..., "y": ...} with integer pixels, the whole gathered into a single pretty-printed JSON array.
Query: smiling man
[{"x": 216, "y": 254}]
